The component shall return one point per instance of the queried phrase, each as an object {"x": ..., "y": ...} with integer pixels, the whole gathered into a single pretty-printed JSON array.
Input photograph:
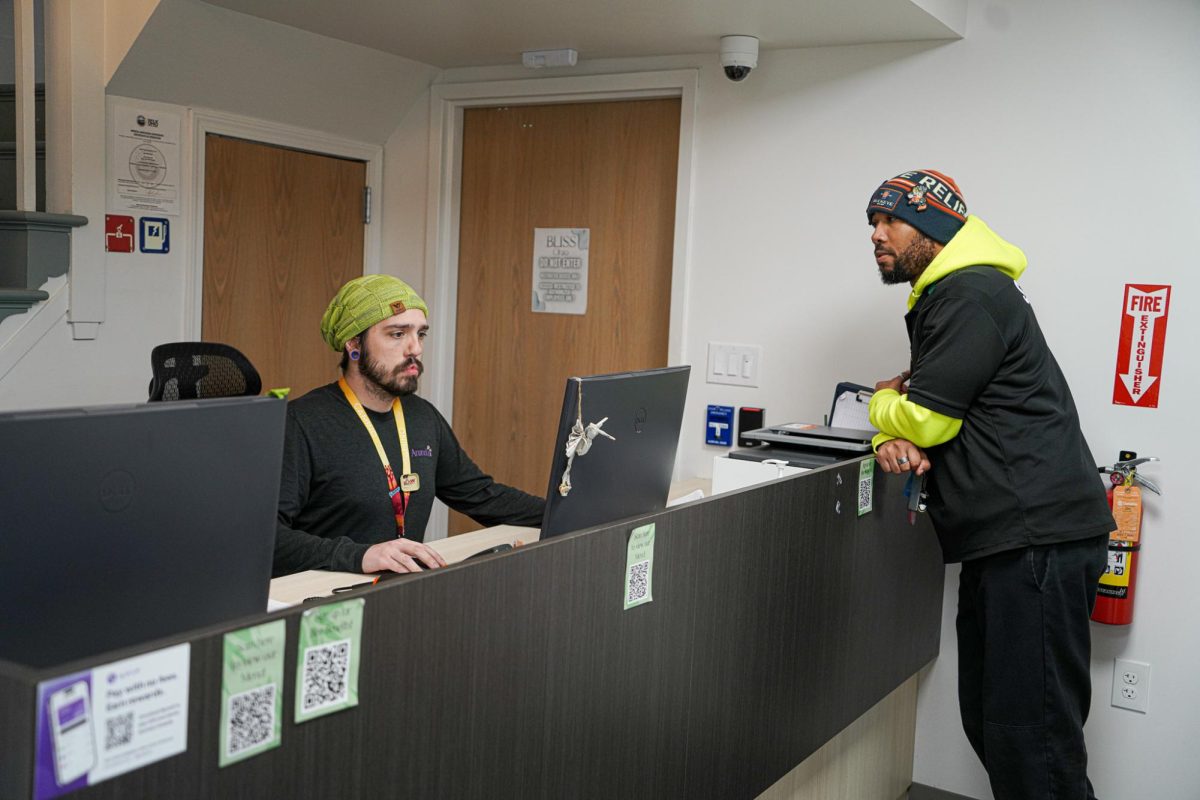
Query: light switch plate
[{"x": 734, "y": 364}]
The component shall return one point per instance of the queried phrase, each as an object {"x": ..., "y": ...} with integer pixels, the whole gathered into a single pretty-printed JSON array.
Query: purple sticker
[{"x": 65, "y": 747}]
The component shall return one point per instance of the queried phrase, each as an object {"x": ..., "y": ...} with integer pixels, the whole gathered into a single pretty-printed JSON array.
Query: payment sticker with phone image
[
  {"x": 109, "y": 720},
  {"x": 71, "y": 730}
]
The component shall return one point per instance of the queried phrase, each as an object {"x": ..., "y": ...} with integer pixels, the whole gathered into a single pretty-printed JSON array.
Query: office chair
[{"x": 188, "y": 370}]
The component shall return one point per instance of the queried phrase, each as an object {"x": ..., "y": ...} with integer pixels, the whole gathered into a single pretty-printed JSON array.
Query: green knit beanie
[{"x": 363, "y": 302}]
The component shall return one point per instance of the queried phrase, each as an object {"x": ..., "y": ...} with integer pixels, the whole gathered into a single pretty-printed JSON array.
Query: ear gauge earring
[{"x": 354, "y": 354}]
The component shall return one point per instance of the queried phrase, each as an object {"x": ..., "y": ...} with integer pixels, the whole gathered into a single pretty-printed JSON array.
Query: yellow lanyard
[{"x": 398, "y": 492}]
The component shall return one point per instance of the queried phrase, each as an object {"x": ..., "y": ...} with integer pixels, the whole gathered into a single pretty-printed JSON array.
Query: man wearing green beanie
[{"x": 364, "y": 457}]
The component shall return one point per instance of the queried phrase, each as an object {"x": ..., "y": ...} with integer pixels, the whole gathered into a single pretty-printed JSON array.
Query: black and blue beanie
[{"x": 929, "y": 201}]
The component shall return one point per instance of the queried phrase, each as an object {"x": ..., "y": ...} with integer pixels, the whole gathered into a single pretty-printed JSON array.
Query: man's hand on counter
[
  {"x": 901, "y": 455},
  {"x": 401, "y": 555}
]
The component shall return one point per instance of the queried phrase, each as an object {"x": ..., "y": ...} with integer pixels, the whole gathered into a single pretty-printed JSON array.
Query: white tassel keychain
[{"x": 579, "y": 441}]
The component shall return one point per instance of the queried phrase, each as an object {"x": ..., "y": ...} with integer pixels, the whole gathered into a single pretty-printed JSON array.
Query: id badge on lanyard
[{"x": 398, "y": 491}]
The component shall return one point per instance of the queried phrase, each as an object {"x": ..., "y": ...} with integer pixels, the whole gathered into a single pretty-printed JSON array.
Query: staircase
[{"x": 34, "y": 245}]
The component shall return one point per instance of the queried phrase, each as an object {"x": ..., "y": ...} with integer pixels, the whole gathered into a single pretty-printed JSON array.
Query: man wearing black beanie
[{"x": 984, "y": 409}]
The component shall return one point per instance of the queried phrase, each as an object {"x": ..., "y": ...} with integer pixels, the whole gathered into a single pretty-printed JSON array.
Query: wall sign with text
[
  {"x": 1140, "y": 350},
  {"x": 560, "y": 270}
]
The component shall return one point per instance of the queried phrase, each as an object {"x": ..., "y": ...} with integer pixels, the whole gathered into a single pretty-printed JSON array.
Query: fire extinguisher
[{"x": 1118, "y": 584}]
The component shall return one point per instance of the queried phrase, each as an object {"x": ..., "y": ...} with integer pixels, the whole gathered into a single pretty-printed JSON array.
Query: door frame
[
  {"x": 206, "y": 121},
  {"x": 443, "y": 206}
]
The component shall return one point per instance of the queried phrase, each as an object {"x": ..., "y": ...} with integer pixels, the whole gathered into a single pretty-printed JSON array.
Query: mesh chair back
[{"x": 188, "y": 370}]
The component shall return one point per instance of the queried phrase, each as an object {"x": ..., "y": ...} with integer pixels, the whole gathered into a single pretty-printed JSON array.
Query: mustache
[{"x": 408, "y": 362}]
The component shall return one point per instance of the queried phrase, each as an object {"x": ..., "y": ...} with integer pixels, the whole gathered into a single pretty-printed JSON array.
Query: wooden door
[
  {"x": 607, "y": 167},
  {"x": 283, "y": 230}
]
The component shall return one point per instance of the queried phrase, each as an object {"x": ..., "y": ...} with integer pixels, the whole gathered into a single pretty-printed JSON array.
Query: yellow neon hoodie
[{"x": 891, "y": 412}]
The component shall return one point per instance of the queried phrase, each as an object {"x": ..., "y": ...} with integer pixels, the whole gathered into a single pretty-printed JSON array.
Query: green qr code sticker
[
  {"x": 639, "y": 567},
  {"x": 866, "y": 485}
]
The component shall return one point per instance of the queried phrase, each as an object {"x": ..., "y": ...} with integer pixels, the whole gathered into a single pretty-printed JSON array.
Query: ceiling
[{"x": 463, "y": 33}]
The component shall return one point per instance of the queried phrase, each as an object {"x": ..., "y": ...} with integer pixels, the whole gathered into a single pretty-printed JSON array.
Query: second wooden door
[{"x": 607, "y": 167}]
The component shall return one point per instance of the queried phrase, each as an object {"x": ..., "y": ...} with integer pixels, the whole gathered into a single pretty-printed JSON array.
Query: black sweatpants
[{"x": 1024, "y": 666}]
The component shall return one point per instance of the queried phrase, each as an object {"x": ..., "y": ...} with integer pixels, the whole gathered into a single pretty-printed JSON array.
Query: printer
[
  {"x": 804, "y": 444},
  {"x": 797, "y": 446}
]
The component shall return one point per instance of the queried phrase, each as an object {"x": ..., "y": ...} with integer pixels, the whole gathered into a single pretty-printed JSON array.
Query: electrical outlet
[{"x": 1131, "y": 685}]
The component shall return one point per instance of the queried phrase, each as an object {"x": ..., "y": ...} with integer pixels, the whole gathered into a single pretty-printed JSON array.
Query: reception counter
[{"x": 779, "y": 617}]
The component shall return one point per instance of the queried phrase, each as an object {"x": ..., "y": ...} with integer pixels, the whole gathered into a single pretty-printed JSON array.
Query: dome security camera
[{"x": 739, "y": 55}]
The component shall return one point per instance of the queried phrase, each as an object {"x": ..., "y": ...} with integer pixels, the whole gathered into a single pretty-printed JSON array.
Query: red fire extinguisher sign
[{"x": 1140, "y": 352}]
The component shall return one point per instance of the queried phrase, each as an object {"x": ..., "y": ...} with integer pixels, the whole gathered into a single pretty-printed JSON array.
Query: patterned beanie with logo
[
  {"x": 929, "y": 201},
  {"x": 363, "y": 302}
]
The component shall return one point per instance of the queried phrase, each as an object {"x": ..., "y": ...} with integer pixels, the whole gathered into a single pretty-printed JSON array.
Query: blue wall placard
[
  {"x": 154, "y": 235},
  {"x": 719, "y": 427}
]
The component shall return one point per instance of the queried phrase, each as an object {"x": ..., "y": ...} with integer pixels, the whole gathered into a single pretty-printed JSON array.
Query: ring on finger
[{"x": 902, "y": 460}]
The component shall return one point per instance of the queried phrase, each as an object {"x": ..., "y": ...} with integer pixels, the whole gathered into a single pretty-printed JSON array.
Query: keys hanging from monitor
[{"x": 579, "y": 441}]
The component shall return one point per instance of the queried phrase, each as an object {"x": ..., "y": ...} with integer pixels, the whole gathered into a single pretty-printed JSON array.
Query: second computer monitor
[
  {"x": 629, "y": 474},
  {"x": 122, "y": 524}
]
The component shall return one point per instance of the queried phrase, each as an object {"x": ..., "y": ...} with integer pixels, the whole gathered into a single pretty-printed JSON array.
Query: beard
[
  {"x": 390, "y": 383},
  {"x": 911, "y": 262}
]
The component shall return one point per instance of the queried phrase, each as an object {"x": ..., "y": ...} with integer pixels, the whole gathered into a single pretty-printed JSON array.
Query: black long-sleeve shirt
[
  {"x": 333, "y": 495},
  {"x": 1019, "y": 473}
]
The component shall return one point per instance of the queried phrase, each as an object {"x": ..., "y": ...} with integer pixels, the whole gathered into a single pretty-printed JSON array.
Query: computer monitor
[
  {"x": 122, "y": 524},
  {"x": 630, "y": 474}
]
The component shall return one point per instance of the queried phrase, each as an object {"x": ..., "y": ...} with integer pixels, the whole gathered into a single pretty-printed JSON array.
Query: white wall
[
  {"x": 1071, "y": 128},
  {"x": 193, "y": 55},
  {"x": 1046, "y": 114},
  {"x": 123, "y": 23},
  {"x": 145, "y": 307},
  {"x": 405, "y": 181}
]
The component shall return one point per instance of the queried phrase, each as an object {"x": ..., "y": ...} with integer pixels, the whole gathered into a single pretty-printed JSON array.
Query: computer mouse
[
  {"x": 500, "y": 548},
  {"x": 389, "y": 575}
]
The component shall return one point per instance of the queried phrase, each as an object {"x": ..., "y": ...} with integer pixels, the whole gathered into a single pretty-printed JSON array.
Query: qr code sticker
[
  {"x": 866, "y": 485},
  {"x": 639, "y": 581},
  {"x": 325, "y": 673},
  {"x": 251, "y": 719},
  {"x": 119, "y": 730}
]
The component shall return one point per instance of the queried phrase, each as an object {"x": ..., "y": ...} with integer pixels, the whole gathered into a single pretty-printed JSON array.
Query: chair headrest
[{"x": 188, "y": 370}]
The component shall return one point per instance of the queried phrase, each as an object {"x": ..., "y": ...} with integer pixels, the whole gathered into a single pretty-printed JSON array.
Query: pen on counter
[{"x": 352, "y": 587}]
